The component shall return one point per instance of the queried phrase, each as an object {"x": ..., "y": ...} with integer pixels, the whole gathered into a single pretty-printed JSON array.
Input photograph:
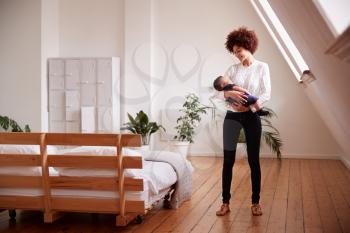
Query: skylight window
[
  {"x": 335, "y": 13},
  {"x": 281, "y": 37}
]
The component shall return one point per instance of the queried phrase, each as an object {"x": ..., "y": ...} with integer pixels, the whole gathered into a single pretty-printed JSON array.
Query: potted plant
[
  {"x": 270, "y": 135},
  {"x": 11, "y": 125},
  {"x": 187, "y": 122},
  {"x": 141, "y": 125},
  {"x": 241, "y": 148}
]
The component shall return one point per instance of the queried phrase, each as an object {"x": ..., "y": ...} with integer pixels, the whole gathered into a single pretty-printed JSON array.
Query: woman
[{"x": 254, "y": 77}]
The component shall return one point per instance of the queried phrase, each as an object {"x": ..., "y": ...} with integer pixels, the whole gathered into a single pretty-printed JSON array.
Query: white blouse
[{"x": 254, "y": 78}]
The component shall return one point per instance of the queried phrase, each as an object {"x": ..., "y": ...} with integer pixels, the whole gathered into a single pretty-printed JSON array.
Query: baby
[{"x": 222, "y": 83}]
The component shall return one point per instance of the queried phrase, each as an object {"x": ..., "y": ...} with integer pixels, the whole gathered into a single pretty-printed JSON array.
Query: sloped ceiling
[{"x": 330, "y": 92}]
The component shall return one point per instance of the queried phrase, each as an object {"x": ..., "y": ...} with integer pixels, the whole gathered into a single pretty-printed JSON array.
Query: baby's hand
[{"x": 256, "y": 106}]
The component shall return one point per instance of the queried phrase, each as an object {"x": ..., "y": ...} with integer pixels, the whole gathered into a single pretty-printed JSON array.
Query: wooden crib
[{"x": 54, "y": 206}]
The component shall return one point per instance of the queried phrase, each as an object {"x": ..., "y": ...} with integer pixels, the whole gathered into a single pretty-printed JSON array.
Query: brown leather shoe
[
  {"x": 256, "y": 209},
  {"x": 224, "y": 209}
]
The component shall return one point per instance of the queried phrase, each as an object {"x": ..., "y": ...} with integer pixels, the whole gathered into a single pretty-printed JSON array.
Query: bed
[{"x": 35, "y": 175}]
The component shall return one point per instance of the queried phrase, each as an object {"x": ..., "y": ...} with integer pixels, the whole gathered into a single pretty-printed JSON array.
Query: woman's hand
[{"x": 237, "y": 95}]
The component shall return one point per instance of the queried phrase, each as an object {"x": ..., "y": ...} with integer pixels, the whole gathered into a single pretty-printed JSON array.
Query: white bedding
[
  {"x": 26, "y": 171},
  {"x": 25, "y": 149},
  {"x": 183, "y": 169}
]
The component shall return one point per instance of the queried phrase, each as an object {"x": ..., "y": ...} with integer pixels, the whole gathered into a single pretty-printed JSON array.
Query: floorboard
[{"x": 297, "y": 195}]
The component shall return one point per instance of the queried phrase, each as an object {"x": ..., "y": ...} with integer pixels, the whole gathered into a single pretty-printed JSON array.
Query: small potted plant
[
  {"x": 241, "y": 148},
  {"x": 11, "y": 125},
  {"x": 141, "y": 125},
  {"x": 187, "y": 123}
]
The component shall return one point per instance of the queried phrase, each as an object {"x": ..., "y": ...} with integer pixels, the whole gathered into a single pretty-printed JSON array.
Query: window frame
[{"x": 280, "y": 36}]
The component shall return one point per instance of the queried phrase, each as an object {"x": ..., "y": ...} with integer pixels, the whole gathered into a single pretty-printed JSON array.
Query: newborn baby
[{"x": 225, "y": 84}]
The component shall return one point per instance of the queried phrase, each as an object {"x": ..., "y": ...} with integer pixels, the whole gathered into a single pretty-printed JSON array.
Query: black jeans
[{"x": 233, "y": 123}]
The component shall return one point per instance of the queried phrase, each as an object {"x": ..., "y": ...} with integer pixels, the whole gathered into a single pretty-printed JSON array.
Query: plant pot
[
  {"x": 181, "y": 147},
  {"x": 241, "y": 151},
  {"x": 145, "y": 139},
  {"x": 145, "y": 147}
]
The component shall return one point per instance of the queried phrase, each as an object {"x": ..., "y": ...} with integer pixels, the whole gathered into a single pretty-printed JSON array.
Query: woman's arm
[
  {"x": 265, "y": 89},
  {"x": 241, "y": 89}
]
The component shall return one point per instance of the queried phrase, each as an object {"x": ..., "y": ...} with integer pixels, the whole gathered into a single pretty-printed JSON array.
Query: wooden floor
[{"x": 297, "y": 196}]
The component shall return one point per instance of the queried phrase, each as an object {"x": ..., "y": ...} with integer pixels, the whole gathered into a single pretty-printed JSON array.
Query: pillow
[
  {"x": 24, "y": 149},
  {"x": 52, "y": 150}
]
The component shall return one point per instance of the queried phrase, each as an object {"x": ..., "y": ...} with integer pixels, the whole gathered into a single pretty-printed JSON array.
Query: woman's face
[{"x": 241, "y": 53}]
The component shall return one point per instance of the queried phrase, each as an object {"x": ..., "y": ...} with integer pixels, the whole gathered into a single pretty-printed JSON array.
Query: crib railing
[{"x": 53, "y": 206}]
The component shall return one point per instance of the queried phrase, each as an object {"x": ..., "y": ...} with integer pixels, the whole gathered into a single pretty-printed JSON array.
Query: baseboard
[
  {"x": 302, "y": 156},
  {"x": 287, "y": 156},
  {"x": 346, "y": 161},
  {"x": 207, "y": 155}
]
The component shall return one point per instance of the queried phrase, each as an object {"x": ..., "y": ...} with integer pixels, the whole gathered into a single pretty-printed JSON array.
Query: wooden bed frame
[{"x": 54, "y": 206}]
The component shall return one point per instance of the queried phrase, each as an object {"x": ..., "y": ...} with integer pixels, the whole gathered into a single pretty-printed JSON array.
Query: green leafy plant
[
  {"x": 141, "y": 125},
  {"x": 186, "y": 124},
  {"x": 11, "y": 125},
  {"x": 270, "y": 134}
]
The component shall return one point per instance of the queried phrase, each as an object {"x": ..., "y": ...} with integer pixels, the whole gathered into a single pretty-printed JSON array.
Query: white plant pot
[
  {"x": 145, "y": 147},
  {"x": 181, "y": 147},
  {"x": 241, "y": 151}
]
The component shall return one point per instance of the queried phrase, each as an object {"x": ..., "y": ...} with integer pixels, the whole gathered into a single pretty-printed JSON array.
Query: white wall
[
  {"x": 169, "y": 48},
  {"x": 112, "y": 28},
  {"x": 137, "y": 63},
  {"x": 91, "y": 28},
  {"x": 20, "y": 61},
  {"x": 49, "y": 48},
  {"x": 181, "y": 30}
]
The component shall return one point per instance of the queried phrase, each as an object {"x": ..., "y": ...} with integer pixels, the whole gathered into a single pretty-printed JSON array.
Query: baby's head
[{"x": 220, "y": 82}]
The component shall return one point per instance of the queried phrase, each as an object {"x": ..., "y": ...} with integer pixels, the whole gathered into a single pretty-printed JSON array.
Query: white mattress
[
  {"x": 157, "y": 176},
  {"x": 135, "y": 196}
]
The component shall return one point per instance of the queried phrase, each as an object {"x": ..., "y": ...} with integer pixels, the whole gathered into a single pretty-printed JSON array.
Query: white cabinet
[
  {"x": 72, "y": 75},
  {"x": 88, "y": 83}
]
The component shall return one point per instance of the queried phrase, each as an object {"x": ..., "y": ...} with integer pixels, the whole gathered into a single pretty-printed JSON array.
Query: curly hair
[{"x": 242, "y": 37}]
